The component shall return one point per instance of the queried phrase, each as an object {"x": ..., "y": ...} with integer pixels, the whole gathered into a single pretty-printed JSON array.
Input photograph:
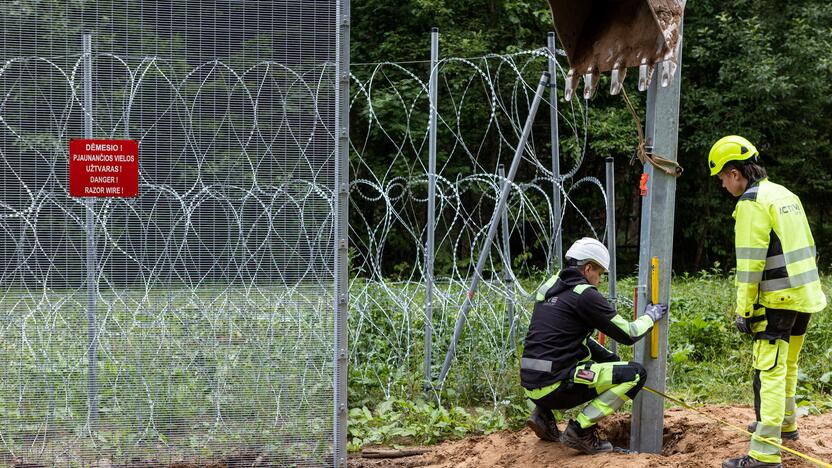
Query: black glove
[
  {"x": 743, "y": 324},
  {"x": 655, "y": 311}
]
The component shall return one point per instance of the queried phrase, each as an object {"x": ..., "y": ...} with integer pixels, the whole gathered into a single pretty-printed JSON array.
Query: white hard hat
[{"x": 589, "y": 249}]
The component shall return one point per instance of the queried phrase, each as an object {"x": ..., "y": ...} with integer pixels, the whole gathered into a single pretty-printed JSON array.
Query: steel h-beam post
[
  {"x": 492, "y": 228},
  {"x": 611, "y": 237},
  {"x": 657, "y": 214},
  {"x": 341, "y": 205},
  {"x": 557, "y": 251},
  {"x": 431, "y": 224},
  {"x": 92, "y": 260}
]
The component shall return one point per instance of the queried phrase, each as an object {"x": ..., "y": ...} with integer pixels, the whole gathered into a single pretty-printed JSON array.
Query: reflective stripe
[
  {"x": 790, "y": 415},
  {"x": 777, "y": 261},
  {"x": 536, "y": 364},
  {"x": 593, "y": 413},
  {"x": 769, "y": 432},
  {"x": 749, "y": 276},
  {"x": 752, "y": 253},
  {"x": 612, "y": 400},
  {"x": 790, "y": 282},
  {"x": 800, "y": 254},
  {"x": 606, "y": 403}
]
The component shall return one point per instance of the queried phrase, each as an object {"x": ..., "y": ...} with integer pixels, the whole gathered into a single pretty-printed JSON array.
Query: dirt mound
[{"x": 690, "y": 440}]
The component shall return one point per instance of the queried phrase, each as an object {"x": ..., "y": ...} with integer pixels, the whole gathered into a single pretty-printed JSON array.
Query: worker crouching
[{"x": 563, "y": 367}]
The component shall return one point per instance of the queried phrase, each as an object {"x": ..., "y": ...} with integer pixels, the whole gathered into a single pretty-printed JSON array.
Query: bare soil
[{"x": 690, "y": 440}]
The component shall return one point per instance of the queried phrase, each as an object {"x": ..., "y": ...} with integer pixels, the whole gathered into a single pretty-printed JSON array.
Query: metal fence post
[
  {"x": 492, "y": 228},
  {"x": 611, "y": 237},
  {"x": 557, "y": 251},
  {"x": 431, "y": 224},
  {"x": 340, "y": 211},
  {"x": 508, "y": 278},
  {"x": 657, "y": 214},
  {"x": 91, "y": 266}
]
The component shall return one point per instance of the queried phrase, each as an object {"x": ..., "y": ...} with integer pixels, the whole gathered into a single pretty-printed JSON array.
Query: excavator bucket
[{"x": 613, "y": 35}]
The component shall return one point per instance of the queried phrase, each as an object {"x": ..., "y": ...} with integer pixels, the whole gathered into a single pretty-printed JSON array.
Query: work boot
[
  {"x": 785, "y": 435},
  {"x": 543, "y": 424},
  {"x": 584, "y": 440},
  {"x": 748, "y": 462}
]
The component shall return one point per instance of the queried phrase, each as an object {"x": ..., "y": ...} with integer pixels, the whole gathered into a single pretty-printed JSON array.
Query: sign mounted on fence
[{"x": 103, "y": 168}]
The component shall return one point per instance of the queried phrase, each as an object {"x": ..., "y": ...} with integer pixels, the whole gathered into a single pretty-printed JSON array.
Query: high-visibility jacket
[{"x": 776, "y": 265}]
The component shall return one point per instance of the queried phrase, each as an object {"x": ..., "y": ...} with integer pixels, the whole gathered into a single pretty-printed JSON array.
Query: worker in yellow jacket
[{"x": 778, "y": 289}]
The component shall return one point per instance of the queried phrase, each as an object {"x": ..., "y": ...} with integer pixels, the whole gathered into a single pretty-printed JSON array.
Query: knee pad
[
  {"x": 628, "y": 372},
  {"x": 631, "y": 372}
]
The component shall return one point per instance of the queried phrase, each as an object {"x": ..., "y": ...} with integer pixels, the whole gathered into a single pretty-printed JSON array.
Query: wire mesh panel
[{"x": 195, "y": 321}]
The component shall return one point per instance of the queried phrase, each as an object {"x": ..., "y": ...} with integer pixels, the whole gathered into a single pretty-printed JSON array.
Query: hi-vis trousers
[
  {"x": 776, "y": 350},
  {"x": 606, "y": 386}
]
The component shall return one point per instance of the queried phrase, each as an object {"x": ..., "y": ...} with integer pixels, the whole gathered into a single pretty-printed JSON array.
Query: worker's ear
[{"x": 587, "y": 268}]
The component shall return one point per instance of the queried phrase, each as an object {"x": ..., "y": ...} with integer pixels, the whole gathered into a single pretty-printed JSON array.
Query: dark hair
[{"x": 750, "y": 169}]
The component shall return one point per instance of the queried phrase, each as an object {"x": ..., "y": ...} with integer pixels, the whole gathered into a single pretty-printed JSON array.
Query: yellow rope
[
  {"x": 737, "y": 428},
  {"x": 667, "y": 166}
]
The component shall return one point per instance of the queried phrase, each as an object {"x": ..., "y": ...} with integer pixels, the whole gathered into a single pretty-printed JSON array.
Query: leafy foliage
[
  {"x": 710, "y": 362},
  {"x": 749, "y": 67}
]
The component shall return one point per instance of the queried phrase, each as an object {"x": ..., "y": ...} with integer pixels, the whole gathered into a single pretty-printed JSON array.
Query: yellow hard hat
[{"x": 730, "y": 148}]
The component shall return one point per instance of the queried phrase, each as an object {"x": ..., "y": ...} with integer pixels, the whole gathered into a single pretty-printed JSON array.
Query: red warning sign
[{"x": 103, "y": 168}]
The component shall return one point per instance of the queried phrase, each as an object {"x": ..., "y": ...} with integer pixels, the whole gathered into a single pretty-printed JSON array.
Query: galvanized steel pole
[
  {"x": 657, "y": 215},
  {"x": 431, "y": 224},
  {"x": 341, "y": 221},
  {"x": 557, "y": 238},
  {"x": 611, "y": 237},
  {"x": 492, "y": 228},
  {"x": 92, "y": 273}
]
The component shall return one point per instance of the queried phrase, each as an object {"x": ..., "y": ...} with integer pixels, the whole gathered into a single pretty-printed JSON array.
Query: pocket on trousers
[{"x": 766, "y": 354}]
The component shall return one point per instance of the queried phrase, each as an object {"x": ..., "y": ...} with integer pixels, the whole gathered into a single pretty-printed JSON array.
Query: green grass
[
  {"x": 196, "y": 373},
  {"x": 709, "y": 362},
  {"x": 181, "y": 374}
]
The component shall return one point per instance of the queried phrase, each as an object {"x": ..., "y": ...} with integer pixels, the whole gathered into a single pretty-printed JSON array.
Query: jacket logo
[
  {"x": 552, "y": 299},
  {"x": 793, "y": 208}
]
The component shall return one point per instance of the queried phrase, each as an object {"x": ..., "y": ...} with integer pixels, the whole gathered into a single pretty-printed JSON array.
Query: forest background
[{"x": 751, "y": 68}]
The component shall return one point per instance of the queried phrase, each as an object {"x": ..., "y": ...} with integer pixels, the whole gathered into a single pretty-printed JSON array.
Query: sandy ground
[{"x": 690, "y": 440}]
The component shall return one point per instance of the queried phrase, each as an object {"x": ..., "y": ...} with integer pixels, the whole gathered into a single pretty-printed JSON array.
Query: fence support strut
[{"x": 492, "y": 228}]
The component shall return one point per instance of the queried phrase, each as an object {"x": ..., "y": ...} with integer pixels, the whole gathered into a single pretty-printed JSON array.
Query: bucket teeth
[
  {"x": 570, "y": 85},
  {"x": 667, "y": 70},
  {"x": 645, "y": 73},
  {"x": 590, "y": 82},
  {"x": 617, "y": 78}
]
